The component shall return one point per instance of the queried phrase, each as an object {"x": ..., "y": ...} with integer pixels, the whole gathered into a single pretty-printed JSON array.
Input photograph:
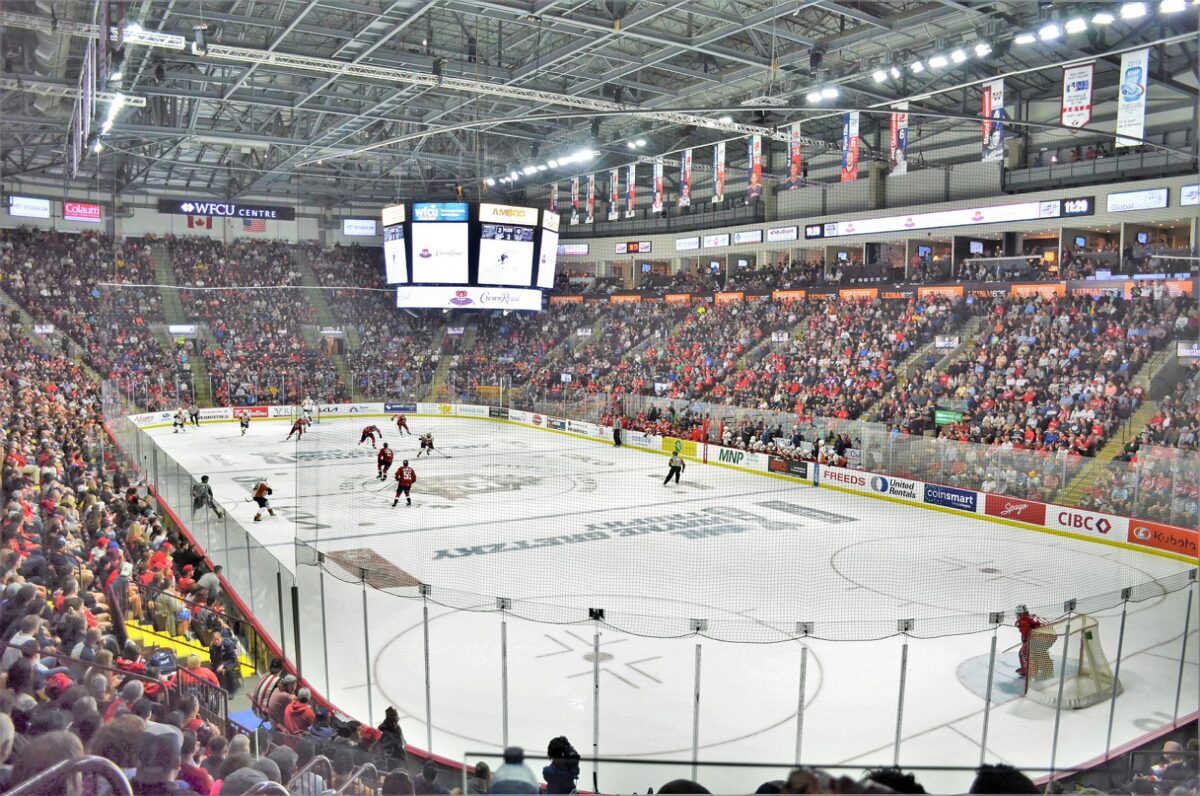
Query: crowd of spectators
[
  {"x": 258, "y": 354},
  {"x": 77, "y": 283}
]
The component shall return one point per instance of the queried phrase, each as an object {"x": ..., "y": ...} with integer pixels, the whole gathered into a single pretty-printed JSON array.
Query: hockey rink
[{"x": 532, "y": 516}]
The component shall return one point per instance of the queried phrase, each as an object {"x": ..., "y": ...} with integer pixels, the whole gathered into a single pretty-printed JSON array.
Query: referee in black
[{"x": 677, "y": 466}]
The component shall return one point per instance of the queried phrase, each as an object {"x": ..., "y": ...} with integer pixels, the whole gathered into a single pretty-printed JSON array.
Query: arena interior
[{"x": 599, "y": 396}]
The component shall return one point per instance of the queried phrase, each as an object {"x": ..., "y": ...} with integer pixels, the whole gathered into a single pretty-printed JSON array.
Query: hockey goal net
[{"x": 1089, "y": 678}]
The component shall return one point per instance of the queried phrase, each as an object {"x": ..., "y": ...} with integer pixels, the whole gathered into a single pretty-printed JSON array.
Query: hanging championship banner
[
  {"x": 993, "y": 125},
  {"x": 1131, "y": 97},
  {"x": 1077, "y": 95},
  {"x": 754, "y": 146},
  {"x": 552, "y": 205},
  {"x": 574, "y": 200},
  {"x": 591, "y": 199},
  {"x": 718, "y": 173},
  {"x": 850, "y": 146},
  {"x": 614, "y": 194},
  {"x": 898, "y": 141},
  {"x": 630, "y": 191},
  {"x": 685, "y": 178},
  {"x": 656, "y": 203},
  {"x": 795, "y": 176}
]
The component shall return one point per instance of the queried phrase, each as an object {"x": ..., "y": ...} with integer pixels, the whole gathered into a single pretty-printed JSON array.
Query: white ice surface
[{"x": 753, "y": 572}]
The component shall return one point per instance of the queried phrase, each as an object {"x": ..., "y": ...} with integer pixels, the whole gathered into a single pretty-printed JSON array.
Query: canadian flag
[{"x": 199, "y": 222}]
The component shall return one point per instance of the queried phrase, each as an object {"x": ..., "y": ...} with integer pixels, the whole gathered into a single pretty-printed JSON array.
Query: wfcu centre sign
[{"x": 208, "y": 207}]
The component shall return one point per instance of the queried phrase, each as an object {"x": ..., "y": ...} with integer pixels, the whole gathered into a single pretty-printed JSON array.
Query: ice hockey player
[
  {"x": 194, "y": 414},
  {"x": 369, "y": 433},
  {"x": 308, "y": 408},
  {"x": 262, "y": 490},
  {"x": 180, "y": 422},
  {"x": 384, "y": 461},
  {"x": 202, "y": 496},
  {"x": 402, "y": 424},
  {"x": 244, "y": 421},
  {"x": 405, "y": 478},
  {"x": 426, "y": 440},
  {"x": 1026, "y": 624},
  {"x": 299, "y": 426},
  {"x": 677, "y": 466}
]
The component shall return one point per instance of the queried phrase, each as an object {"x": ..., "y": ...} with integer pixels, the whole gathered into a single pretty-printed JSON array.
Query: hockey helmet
[{"x": 1022, "y": 610}]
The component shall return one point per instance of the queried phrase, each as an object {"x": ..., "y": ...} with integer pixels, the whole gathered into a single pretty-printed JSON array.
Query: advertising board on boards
[
  {"x": 1019, "y": 509},
  {"x": 951, "y": 497}
]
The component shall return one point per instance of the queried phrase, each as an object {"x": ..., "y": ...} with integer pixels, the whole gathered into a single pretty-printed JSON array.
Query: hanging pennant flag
[
  {"x": 1077, "y": 95},
  {"x": 795, "y": 177},
  {"x": 754, "y": 189},
  {"x": 574, "y": 200},
  {"x": 993, "y": 124},
  {"x": 591, "y": 199},
  {"x": 1131, "y": 97},
  {"x": 718, "y": 173},
  {"x": 850, "y": 146},
  {"x": 614, "y": 194},
  {"x": 552, "y": 205},
  {"x": 898, "y": 140},
  {"x": 630, "y": 191},
  {"x": 656, "y": 201},
  {"x": 685, "y": 179}
]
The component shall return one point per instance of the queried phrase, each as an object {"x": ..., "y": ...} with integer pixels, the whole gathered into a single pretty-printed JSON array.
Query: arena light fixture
[
  {"x": 1133, "y": 10},
  {"x": 542, "y": 167},
  {"x": 98, "y": 147},
  {"x": 917, "y": 66},
  {"x": 983, "y": 49},
  {"x": 641, "y": 142},
  {"x": 529, "y": 170},
  {"x": 117, "y": 75},
  {"x": 1049, "y": 31},
  {"x": 1102, "y": 18},
  {"x": 938, "y": 62},
  {"x": 879, "y": 76},
  {"x": 630, "y": 144},
  {"x": 725, "y": 119},
  {"x": 490, "y": 181},
  {"x": 512, "y": 175},
  {"x": 1075, "y": 25},
  {"x": 813, "y": 97},
  {"x": 830, "y": 92},
  {"x": 1024, "y": 38},
  {"x": 1171, "y": 6},
  {"x": 552, "y": 163},
  {"x": 958, "y": 56},
  {"x": 895, "y": 72}
]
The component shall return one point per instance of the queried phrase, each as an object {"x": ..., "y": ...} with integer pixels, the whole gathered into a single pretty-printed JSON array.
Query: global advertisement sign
[
  {"x": 1088, "y": 523},
  {"x": 1018, "y": 509},
  {"x": 951, "y": 497},
  {"x": 207, "y": 207}
]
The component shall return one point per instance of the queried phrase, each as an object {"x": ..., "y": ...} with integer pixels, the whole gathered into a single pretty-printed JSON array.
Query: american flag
[{"x": 254, "y": 225}]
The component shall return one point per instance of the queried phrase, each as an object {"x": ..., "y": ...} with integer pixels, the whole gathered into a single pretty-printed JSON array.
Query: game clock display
[{"x": 469, "y": 244}]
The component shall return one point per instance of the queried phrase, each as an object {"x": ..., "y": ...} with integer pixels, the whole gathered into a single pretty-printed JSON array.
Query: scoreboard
[{"x": 466, "y": 255}]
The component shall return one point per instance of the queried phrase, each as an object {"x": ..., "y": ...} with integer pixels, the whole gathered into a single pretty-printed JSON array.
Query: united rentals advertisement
[
  {"x": 1077, "y": 83},
  {"x": 685, "y": 178},
  {"x": 898, "y": 140}
]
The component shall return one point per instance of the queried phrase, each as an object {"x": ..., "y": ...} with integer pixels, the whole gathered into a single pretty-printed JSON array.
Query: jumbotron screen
[{"x": 460, "y": 255}]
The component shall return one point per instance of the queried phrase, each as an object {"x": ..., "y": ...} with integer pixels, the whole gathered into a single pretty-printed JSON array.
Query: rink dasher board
[{"x": 651, "y": 443}]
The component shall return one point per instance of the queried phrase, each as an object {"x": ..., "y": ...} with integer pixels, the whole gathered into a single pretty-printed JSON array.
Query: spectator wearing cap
[
  {"x": 283, "y": 696},
  {"x": 159, "y": 758},
  {"x": 131, "y": 692},
  {"x": 427, "y": 782},
  {"x": 515, "y": 776},
  {"x": 223, "y": 658},
  {"x": 391, "y": 742},
  {"x": 261, "y": 697},
  {"x": 299, "y": 714}
]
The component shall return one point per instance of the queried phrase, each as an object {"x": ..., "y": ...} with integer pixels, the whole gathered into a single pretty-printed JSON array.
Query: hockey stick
[{"x": 448, "y": 456}]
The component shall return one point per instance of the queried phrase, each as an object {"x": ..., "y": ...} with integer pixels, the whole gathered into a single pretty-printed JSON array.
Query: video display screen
[
  {"x": 549, "y": 259},
  {"x": 505, "y": 255},
  {"x": 440, "y": 253},
  {"x": 395, "y": 260}
]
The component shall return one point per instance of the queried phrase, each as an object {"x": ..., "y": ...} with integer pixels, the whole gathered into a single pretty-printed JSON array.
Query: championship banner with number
[
  {"x": 552, "y": 204},
  {"x": 685, "y": 179},
  {"x": 591, "y": 199},
  {"x": 1077, "y": 82},
  {"x": 718, "y": 173},
  {"x": 614, "y": 194},
  {"x": 754, "y": 145},
  {"x": 574, "y": 200},
  {"x": 795, "y": 176},
  {"x": 850, "y": 146},
  {"x": 898, "y": 140},
  {"x": 630, "y": 190},
  {"x": 993, "y": 125},
  {"x": 656, "y": 204},
  {"x": 1131, "y": 97}
]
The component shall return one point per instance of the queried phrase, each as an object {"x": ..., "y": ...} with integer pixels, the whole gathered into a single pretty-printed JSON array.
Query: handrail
[
  {"x": 365, "y": 768},
  {"x": 272, "y": 788},
  {"x": 308, "y": 767},
  {"x": 52, "y": 778}
]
